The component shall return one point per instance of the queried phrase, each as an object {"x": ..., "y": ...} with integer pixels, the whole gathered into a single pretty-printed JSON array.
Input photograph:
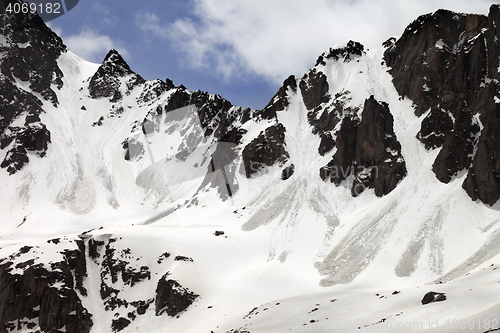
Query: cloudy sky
[{"x": 240, "y": 49}]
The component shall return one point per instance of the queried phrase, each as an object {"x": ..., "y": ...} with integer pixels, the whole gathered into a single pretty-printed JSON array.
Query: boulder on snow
[{"x": 432, "y": 297}]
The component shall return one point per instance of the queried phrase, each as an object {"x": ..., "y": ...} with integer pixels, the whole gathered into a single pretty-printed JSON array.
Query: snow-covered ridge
[{"x": 146, "y": 189}]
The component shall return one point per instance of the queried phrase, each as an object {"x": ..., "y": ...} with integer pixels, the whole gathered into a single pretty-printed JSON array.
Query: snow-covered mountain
[{"x": 132, "y": 205}]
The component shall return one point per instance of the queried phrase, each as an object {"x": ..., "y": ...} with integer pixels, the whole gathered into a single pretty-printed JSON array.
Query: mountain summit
[{"x": 365, "y": 194}]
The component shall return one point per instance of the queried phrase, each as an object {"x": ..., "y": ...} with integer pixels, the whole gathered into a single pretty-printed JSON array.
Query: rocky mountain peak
[
  {"x": 115, "y": 63},
  {"x": 309, "y": 168},
  {"x": 106, "y": 81},
  {"x": 349, "y": 52},
  {"x": 280, "y": 101}
]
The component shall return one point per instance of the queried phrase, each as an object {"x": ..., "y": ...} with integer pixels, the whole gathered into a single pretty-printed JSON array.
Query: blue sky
[{"x": 239, "y": 49}]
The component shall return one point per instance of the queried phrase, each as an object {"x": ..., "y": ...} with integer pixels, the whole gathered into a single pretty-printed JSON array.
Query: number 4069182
[{"x": 25, "y": 8}]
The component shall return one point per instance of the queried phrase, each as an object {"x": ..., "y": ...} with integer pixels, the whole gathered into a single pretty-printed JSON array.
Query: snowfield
[{"x": 295, "y": 255}]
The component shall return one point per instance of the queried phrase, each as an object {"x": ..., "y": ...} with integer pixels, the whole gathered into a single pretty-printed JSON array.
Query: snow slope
[{"x": 304, "y": 253}]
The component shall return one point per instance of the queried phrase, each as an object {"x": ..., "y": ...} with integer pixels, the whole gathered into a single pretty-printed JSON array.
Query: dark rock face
[
  {"x": 339, "y": 168},
  {"x": 119, "y": 324},
  {"x": 483, "y": 178},
  {"x": 287, "y": 172},
  {"x": 314, "y": 88},
  {"x": 15, "y": 159},
  {"x": 346, "y": 54},
  {"x": 458, "y": 148},
  {"x": 378, "y": 152},
  {"x": 116, "y": 265},
  {"x": 324, "y": 120},
  {"x": 183, "y": 258},
  {"x": 36, "y": 64},
  {"x": 179, "y": 99},
  {"x": 217, "y": 115},
  {"x": 327, "y": 144},
  {"x": 434, "y": 128},
  {"x": 368, "y": 150},
  {"x": 77, "y": 264},
  {"x": 105, "y": 83},
  {"x": 171, "y": 297},
  {"x": 33, "y": 136},
  {"x": 221, "y": 124},
  {"x": 265, "y": 150},
  {"x": 280, "y": 101},
  {"x": 210, "y": 109},
  {"x": 153, "y": 90},
  {"x": 432, "y": 297},
  {"x": 425, "y": 65},
  {"x": 43, "y": 293},
  {"x": 225, "y": 125},
  {"x": 169, "y": 84},
  {"x": 447, "y": 62}
]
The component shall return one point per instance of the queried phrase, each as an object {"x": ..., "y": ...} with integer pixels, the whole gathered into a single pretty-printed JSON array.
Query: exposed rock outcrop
[
  {"x": 483, "y": 178},
  {"x": 314, "y": 88},
  {"x": 280, "y": 101},
  {"x": 346, "y": 54},
  {"x": 265, "y": 150},
  {"x": 171, "y": 297},
  {"x": 339, "y": 168},
  {"x": 105, "y": 83},
  {"x": 38, "y": 292},
  {"x": 35, "y": 295},
  {"x": 29, "y": 55},
  {"x": 153, "y": 90},
  {"x": 448, "y": 63},
  {"x": 458, "y": 148},
  {"x": 369, "y": 150},
  {"x": 287, "y": 172},
  {"x": 324, "y": 119}
]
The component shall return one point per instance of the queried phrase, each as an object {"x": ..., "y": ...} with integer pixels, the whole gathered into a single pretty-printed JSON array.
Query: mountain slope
[{"x": 141, "y": 205}]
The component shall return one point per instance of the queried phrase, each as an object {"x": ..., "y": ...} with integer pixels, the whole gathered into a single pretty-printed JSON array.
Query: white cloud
[
  {"x": 92, "y": 46},
  {"x": 274, "y": 39},
  {"x": 150, "y": 23}
]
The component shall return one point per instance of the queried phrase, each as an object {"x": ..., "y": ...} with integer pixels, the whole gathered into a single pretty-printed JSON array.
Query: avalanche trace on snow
[{"x": 364, "y": 196}]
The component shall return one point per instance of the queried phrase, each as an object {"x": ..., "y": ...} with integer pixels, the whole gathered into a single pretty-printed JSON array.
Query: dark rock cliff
[
  {"x": 172, "y": 298},
  {"x": 280, "y": 101},
  {"x": 483, "y": 178},
  {"x": 43, "y": 296},
  {"x": 28, "y": 55},
  {"x": 448, "y": 63},
  {"x": 378, "y": 152},
  {"x": 368, "y": 150},
  {"x": 38, "y": 293},
  {"x": 265, "y": 150}
]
